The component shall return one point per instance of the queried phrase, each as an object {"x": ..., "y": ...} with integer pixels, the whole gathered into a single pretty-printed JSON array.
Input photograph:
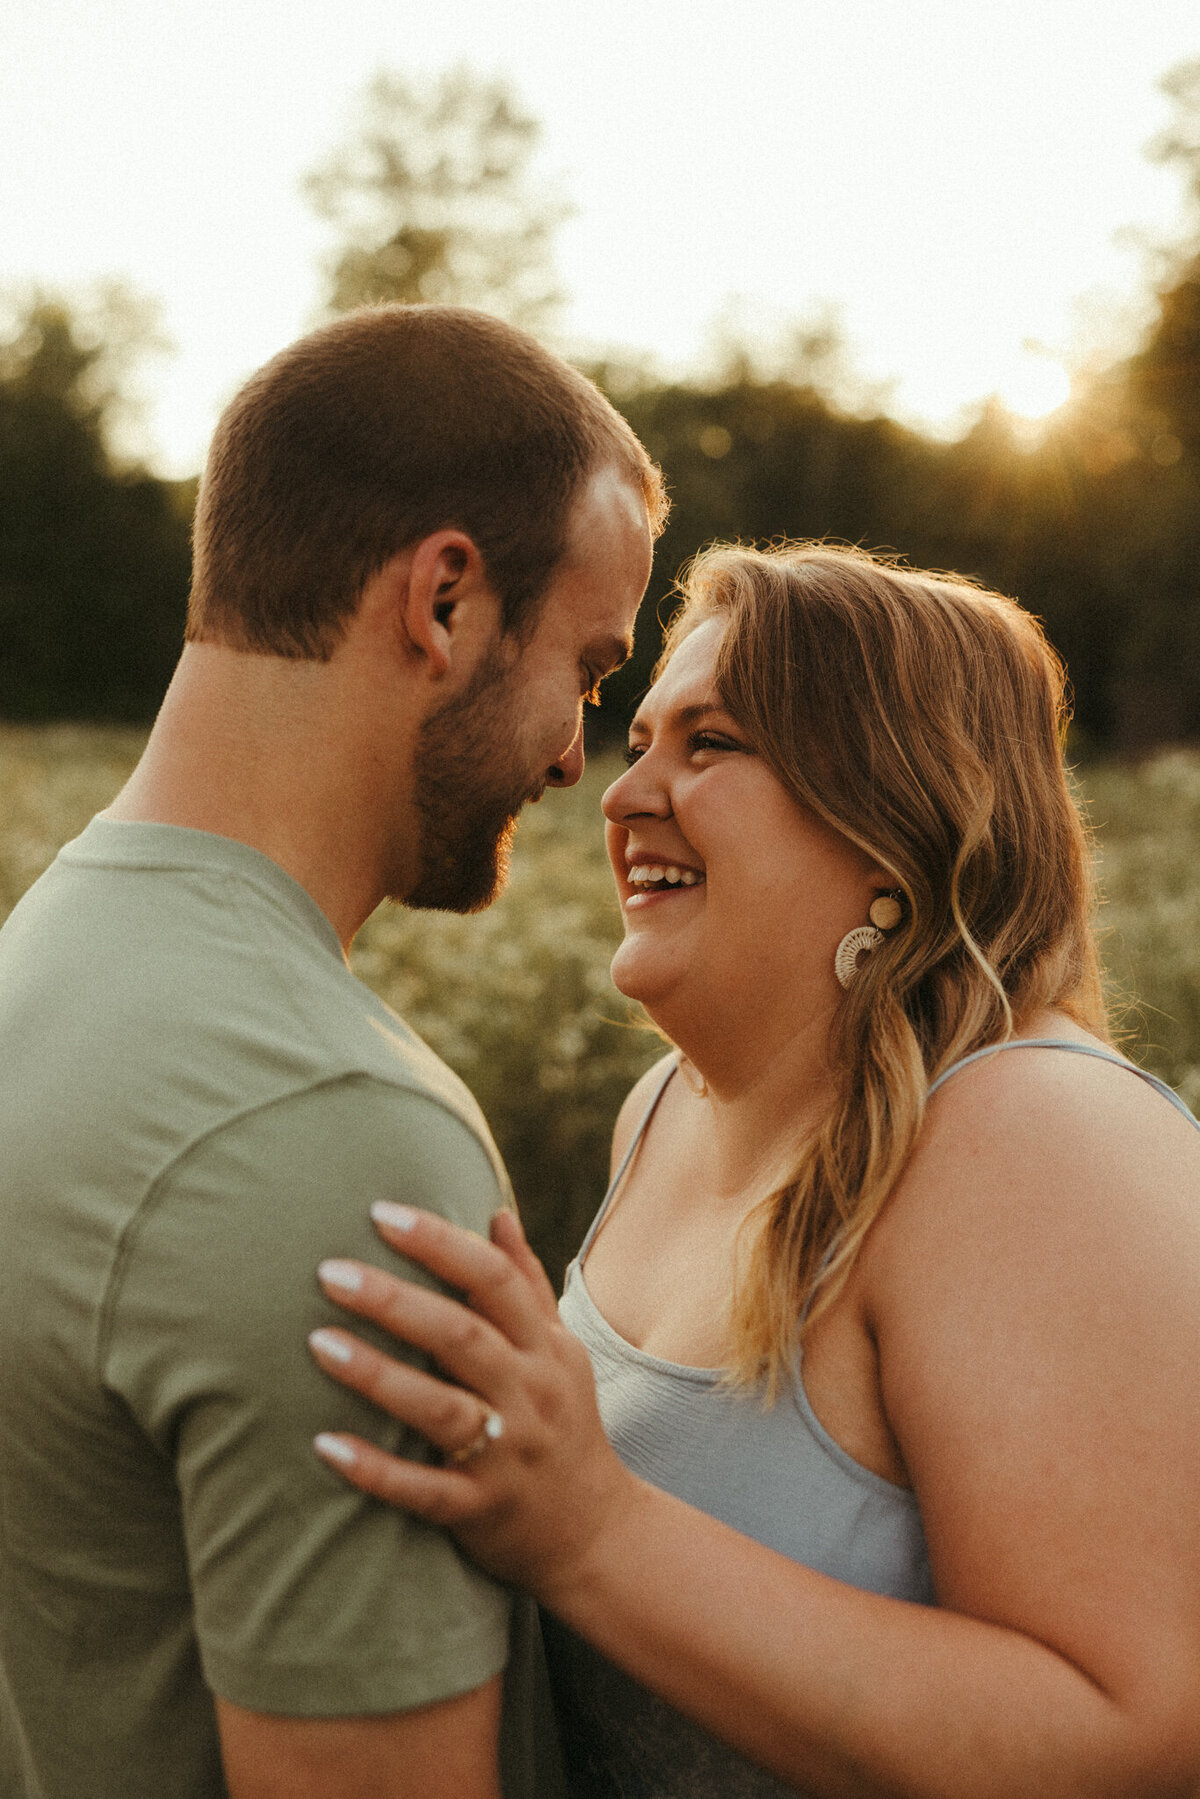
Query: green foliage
[
  {"x": 518, "y": 1000},
  {"x": 432, "y": 201},
  {"x": 93, "y": 558}
]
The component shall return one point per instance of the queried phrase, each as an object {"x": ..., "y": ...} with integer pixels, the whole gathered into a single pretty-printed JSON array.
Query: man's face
[{"x": 518, "y": 726}]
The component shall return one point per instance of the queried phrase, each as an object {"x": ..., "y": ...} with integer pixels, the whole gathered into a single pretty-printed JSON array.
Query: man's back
[{"x": 197, "y": 1102}]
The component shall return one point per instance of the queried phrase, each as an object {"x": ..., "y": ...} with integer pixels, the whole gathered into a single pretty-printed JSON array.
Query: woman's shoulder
[
  {"x": 1043, "y": 1239},
  {"x": 1053, "y": 1082},
  {"x": 1051, "y": 1143}
]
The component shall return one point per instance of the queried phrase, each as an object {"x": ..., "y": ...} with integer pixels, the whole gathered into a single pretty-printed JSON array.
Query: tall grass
[{"x": 1147, "y": 822}]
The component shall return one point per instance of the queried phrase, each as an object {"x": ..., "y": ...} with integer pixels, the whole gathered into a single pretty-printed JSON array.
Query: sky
[{"x": 962, "y": 182}]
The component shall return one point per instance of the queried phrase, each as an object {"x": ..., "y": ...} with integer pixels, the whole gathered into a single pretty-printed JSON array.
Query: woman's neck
[{"x": 758, "y": 1099}]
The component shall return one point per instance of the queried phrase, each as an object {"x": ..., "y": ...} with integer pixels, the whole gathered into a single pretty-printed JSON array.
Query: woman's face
[{"x": 734, "y": 897}]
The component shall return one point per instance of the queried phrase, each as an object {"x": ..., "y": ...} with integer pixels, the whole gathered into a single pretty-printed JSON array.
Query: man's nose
[{"x": 569, "y": 767}]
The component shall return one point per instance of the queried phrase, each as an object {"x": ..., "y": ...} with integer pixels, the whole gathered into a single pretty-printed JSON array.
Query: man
[{"x": 421, "y": 540}]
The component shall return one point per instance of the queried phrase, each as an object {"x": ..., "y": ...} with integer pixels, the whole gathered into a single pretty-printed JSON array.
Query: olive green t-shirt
[{"x": 198, "y": 1102}]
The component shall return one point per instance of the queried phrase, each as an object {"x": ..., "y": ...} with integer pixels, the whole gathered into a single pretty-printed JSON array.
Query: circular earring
[{"x": 885, "y": 914}]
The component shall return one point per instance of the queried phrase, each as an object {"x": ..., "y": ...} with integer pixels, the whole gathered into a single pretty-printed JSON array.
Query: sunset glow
[
  {"x": 1035, "y": 387},
  {"x": 948, "y": 181}
]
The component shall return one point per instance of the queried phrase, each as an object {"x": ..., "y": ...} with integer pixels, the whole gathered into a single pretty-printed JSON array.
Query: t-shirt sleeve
[{"x": 309, "y": 1598}]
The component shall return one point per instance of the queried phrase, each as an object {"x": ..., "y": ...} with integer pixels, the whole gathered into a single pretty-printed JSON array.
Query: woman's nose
[{"x": 639, "y": 792}]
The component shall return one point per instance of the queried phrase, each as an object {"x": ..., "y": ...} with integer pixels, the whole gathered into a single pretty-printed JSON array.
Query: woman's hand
[{"x": 534, "y": 1492}]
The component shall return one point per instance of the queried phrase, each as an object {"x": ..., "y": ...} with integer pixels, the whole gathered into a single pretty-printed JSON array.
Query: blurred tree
[
  {"x": 762, "y": 460},
  {"x": 759, "y": 459},
  {"x": 1165, "y": 374},
  {"x": 432, "y": 201},
  {"x": 94, "y": 556},
  {"x": 1148, "y": 534},
  {"x": 1096, "y": 527},
  {"x": 1180, "y": 142}
]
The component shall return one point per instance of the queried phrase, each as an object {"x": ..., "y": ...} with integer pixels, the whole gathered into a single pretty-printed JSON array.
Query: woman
[{"x": 894, "y": 1301}]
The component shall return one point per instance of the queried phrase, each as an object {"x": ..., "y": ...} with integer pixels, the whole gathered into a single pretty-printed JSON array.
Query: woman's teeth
[{"x": 654, "y": 875}]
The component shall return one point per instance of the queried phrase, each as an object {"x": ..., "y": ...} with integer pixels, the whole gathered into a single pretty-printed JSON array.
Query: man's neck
[{"x": 272, "y": 752}]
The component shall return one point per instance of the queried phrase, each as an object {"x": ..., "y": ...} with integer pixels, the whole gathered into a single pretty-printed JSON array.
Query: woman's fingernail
[
  {"x": 341, "y": 1274},
  {"x": 335, "y": 1449},
  {"x": 328, "y": 1343},
  {"x": 398, "y": 1218}
]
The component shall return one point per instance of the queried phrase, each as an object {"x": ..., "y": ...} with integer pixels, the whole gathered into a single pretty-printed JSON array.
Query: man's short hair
[{"x": 366, "y": 436}]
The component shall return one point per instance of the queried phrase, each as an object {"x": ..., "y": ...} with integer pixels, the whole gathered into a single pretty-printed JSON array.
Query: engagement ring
[{"x": 488, "y": 1432}]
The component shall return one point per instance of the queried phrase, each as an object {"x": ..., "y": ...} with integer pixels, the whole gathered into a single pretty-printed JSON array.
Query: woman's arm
[{"x": 1037, "y": 1322}]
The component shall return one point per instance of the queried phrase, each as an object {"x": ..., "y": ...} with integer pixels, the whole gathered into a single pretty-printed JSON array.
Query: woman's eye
[{"x": 698, "y": 742}]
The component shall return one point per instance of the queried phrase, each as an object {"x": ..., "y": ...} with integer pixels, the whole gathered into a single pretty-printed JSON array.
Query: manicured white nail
[
  {"x": 398, "y": 1218},
  {"x": 335, "y": 1449},
  {"x": 328, "y": 1343},
  {"x": 341, "y": 1274}
]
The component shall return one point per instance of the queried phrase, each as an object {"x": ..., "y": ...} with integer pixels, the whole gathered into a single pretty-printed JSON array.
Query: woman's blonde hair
[{"x": 924, "y": 719}]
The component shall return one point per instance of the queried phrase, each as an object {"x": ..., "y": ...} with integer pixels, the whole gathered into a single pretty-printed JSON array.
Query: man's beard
[{"x": 468, "y": 793}]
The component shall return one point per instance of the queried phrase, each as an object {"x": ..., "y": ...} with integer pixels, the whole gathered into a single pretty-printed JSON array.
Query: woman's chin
[{"x": 639, "y": 976}]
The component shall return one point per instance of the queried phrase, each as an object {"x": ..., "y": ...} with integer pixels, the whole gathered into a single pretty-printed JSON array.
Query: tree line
[{"x": 1095, "y": 526}]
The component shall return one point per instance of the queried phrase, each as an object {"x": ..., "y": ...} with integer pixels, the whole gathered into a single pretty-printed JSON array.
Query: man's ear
[{"x": 445, "y": 607}]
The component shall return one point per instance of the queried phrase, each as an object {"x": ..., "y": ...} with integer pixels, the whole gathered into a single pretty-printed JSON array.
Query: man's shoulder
[
  {"x": 355, "y": 1135},
  {"x": 197, "y": 986},
  {"x": 204, "y": 1018},
  {"x": 230, "y": 1234},
  {"x": 214, "y": 1288}
]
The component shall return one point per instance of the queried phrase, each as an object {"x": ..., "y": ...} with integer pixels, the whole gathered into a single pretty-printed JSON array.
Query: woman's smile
[{"x": 651, "y": 879}]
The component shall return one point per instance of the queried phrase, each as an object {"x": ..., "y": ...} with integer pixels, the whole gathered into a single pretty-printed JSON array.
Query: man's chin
[
  {"x": 466, "y": 881},
  {"x": 433, "y": 896}
]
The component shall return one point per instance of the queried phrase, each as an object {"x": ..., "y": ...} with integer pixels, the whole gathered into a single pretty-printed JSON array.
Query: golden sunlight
[{"x": 1034, "y": 386}]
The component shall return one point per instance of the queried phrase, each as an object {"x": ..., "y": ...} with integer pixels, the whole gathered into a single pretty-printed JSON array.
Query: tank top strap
[
  {"x": 627, "y": 1158},
  {"x": 1078, "y": 1049}
]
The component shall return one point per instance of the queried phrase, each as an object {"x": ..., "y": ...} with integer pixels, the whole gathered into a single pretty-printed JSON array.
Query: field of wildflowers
[
  {"x": 1147, "y": 825},
  {"x": 518, "y": 999}
]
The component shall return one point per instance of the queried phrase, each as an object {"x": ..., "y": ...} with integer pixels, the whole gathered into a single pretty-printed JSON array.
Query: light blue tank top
[{"x": 775, "y": 1475}]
